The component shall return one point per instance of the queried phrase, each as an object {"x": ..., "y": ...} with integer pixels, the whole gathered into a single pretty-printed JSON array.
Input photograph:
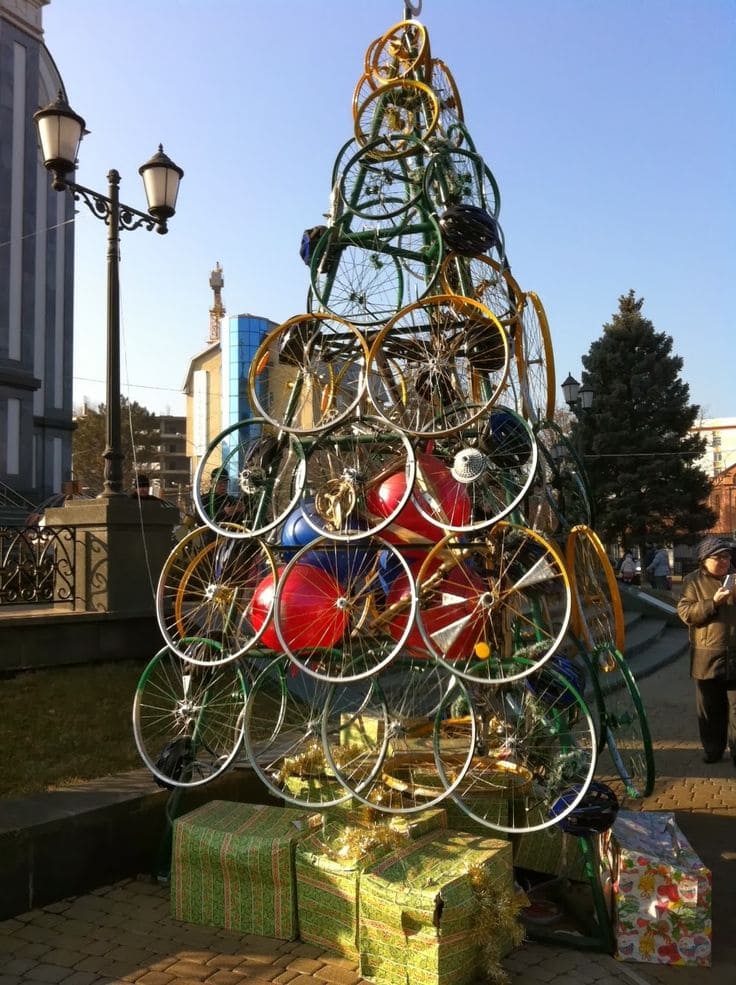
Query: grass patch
[{"x": 68, "y": 724}]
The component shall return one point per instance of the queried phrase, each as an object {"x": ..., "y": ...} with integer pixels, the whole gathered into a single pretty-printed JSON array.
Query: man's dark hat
[
  {"x": 219, "y": 474},
  {"x": 711, "y": 545},
  {"x": 142, "y": 481}
]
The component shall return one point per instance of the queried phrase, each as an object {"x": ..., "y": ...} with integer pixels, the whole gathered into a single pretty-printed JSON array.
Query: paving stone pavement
[{"x": 124, "y": 933}]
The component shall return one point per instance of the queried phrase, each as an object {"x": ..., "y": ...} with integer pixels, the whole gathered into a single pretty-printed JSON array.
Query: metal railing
[{"x": 36, "y": 565}]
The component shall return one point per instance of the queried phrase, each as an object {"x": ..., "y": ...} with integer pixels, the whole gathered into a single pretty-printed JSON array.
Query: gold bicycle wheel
[
  {"x": 307, "y": 374},
  {"x": 451, "y": 354},
  {"x": 598, "y": 615},
  {"x": 493, "y": 609},
  {"x": 205, "y": 591},
  {"x": 400, "y": 53},
  {"x": 402, "y": 112},
  {"x": 535, "y": 361},
  {"x": 451, "y": 107}
]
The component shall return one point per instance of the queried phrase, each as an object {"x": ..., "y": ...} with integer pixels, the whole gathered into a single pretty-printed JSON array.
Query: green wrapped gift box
[
  {"x": 233, "y": 867},
  {"x": 494, "y": 809},
  {"x": 418, "y": 910},
  {"x": 328, "y": 872},
  {"x": 552, "y": 852}
]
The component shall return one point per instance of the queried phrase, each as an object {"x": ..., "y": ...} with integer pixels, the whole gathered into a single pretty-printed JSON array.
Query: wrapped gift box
[
  {"x": 233, "y": 867},
  {"x": 418, "y": 910},
  {"x": 552, "y": 852},
  {"x": 495, "y": 809},
  {"x": 329, "y": 865},
  {"x": 662, "y": 892}
]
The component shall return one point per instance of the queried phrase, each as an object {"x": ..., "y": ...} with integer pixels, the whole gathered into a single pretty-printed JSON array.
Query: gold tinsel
[
  {"x": 354, "y": 843},
  {"x": 312, "y": 762},
  {"x": 496, "y": 921}
]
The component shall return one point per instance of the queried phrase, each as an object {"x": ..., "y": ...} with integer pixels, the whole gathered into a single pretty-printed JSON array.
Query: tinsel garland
[
  {"x": 312, "y": 762},
  {"x": 496, "y": 920},
  {"x": 354, "y": 843}
]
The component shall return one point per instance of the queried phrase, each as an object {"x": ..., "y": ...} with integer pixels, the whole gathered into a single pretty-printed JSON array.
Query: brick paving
[{"x": 124, "y": 933}]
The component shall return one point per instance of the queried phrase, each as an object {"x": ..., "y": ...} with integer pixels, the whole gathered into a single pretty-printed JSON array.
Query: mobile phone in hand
[{"x": 729, "y": 582}]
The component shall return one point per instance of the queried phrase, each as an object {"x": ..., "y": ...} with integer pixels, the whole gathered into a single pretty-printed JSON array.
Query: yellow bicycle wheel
[
  {"x": 451, "y": 355},
  {"x": 206, "y": 590},
  {"x": 402, "y": 112},
  {"x": 451, "y": 107},
  {"x": 598, "y": 615},
  {"x": 493, "y": 609},
  {"x": 486, "y": 281},
  {"x": 402, "y": 52},
  {"x": 535, "y": 361},
  {"x": 307, "y": 374}
]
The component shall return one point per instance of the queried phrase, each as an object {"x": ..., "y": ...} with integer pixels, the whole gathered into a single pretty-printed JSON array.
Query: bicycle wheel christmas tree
[{"x": 391, "y": 571}]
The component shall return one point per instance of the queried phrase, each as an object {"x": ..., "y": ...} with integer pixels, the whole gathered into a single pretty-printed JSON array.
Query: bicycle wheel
[
  {"x": 563, "y": 481},
  {"x": 359, "y": 476},
  {"x": 535, "y": 740},
  {"x": 402, "y": 112},
  {"x": 355, "y": 277},
  {"x": 536, "y": 361},
  {"x": 402, "y": 52},
  {"x": 353, "y": 633},
  {"x": 269, "y": 475},
  {"x": 494, "y": 608},
  {"x": 437, "y": 365},
  {"x": 486, "y": 281},
  {"x": 308, "y": 373},
  {"x": 291, "y": 720},
  {"x": 420, "y": 733},
  {"x": 443, "y": 84},
  {"x": 456, "y": 175},
  {"x": 206, "y": 590},
  {"x": 492, "y": 463},
  {"x": 625, "y": 724},
  {"x": 598, "y": 614},
  {"x": 188, "y": 719},
  {"x": 380, "y": 189}
]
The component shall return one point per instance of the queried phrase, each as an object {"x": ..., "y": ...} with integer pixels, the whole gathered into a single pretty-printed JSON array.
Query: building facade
[
  {"x": 36, "y": 270},
  {"x": 216, "y": 385},
  {"x": 720, "y": 436}
]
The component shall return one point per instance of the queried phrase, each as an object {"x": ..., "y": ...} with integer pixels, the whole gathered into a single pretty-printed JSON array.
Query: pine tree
[{"x": 640, "y": 454}]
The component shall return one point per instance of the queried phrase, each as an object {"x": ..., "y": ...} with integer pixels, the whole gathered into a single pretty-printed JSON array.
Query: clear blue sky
[{"x": 609, "y": 125}]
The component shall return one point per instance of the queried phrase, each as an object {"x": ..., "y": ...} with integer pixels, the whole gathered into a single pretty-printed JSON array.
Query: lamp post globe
[{"x": 60, "y": 131}]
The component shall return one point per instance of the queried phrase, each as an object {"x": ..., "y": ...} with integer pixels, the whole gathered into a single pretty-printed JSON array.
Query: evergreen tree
[
  {"x": 639, "y": 451},
  {"x": 88, "y": 444}
]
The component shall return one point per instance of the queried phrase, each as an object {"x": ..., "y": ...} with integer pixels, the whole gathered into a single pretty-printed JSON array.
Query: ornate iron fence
[{"x": 36, "y": 565}]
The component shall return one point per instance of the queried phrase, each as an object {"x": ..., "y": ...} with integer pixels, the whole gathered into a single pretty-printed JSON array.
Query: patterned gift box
[
  {"x": 662, "y": 892},
  {"x": 418, "y": 910},
  {"x": 328, "y": 871},
  {"x": 494, "y": 808},
  {"x": 552, "y": 852},
  {"x": 233, "y": 867}
]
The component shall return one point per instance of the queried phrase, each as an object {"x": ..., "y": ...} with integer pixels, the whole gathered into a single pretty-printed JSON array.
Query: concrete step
[
  {"x": 641, "y": 633},
  {"x": 670, "y": 645}
]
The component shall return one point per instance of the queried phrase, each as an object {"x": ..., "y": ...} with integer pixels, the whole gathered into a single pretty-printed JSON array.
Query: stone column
[{"x": 120, "y": 548}]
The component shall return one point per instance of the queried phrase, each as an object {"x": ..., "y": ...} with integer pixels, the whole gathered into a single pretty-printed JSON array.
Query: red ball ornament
[
  {"x": 435, "y": 491},
  {"x": 309, "y": 616}
]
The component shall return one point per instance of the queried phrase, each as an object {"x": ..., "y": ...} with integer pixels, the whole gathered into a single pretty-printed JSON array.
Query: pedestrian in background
[
  {"x": 142, "y": 487},
  {"x": 659, "y": 569},
  {"x": 627, "y": 569},
  {"x": 707, "y": 606}
]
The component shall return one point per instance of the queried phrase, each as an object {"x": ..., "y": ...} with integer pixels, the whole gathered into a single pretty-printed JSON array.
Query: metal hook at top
[{"x": 412, "y": 8}]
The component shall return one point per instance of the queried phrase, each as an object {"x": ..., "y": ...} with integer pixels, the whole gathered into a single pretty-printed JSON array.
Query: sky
[{"x": 608, "y": 125}]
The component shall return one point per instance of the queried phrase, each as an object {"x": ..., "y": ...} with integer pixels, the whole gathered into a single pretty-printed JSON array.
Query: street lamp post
[
  {"x": 579, "y": 399},
  {"x": 60, "y": 131}
]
